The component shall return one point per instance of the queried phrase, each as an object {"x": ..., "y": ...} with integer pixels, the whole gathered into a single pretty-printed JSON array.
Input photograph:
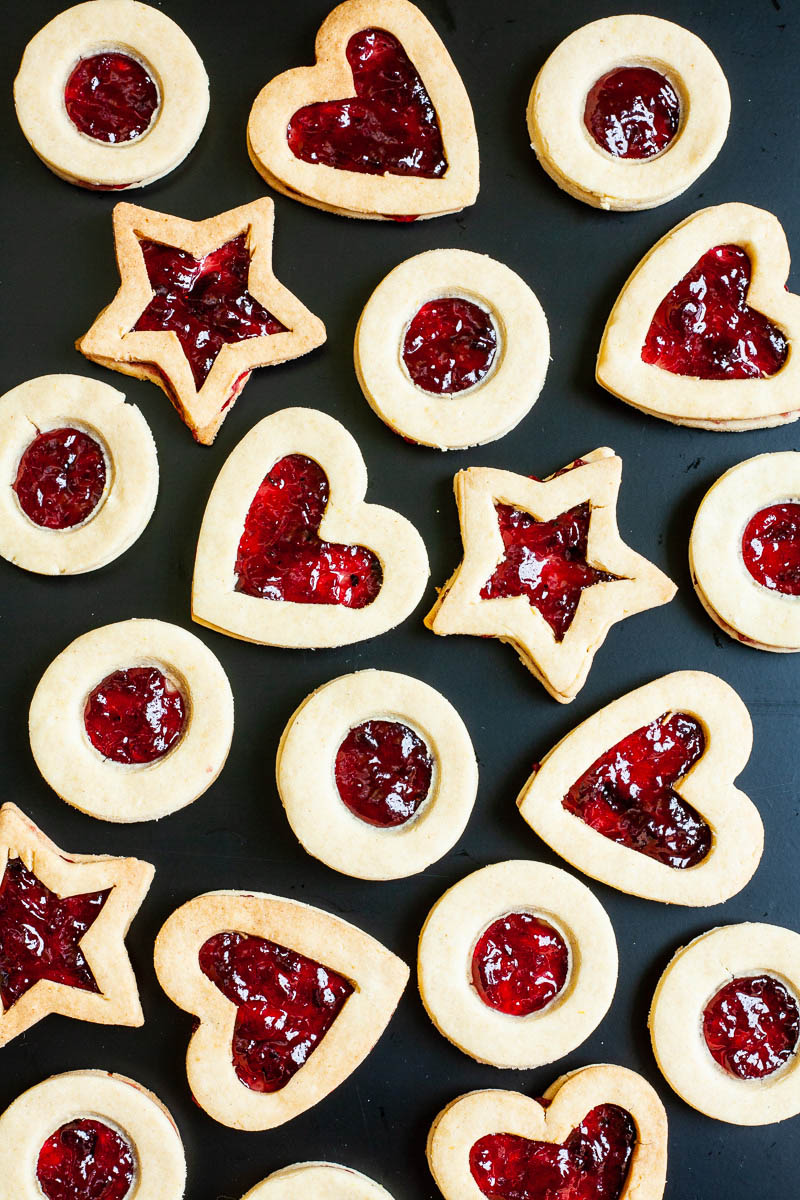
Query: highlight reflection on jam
[
  {"x": 60, "y": 478},
  {"x": 40, "y": 934},
  {"x": 281, "y": 555},
  {"x": 627, "y": 794},
  {"x": 383, "y": 772},
  {"x": 110, "y": 97},
  {"x": 285, "y": 1002},
  {"x": 752, "y": 1026},
  {"x": 704, "y": 328},
  {"x": 545, "y": 561},
  {"x": 85, "y": 1160},
  {"x": 389, "y": 127},
  {"x": 633, "y": 112},
  {"x": 519, "y": 964},
  {"x": 449, "y": 345},
  {"x": 592, "y": 1164},
  {"x": 771, "y": 547},
  {"x": 134, "y": 716}
]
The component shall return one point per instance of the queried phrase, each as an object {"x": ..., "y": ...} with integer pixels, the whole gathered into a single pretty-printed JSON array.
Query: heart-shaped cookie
[
  {"x": 702, "y": 333},
  {"x": 289, "y": 554},
  {"x": 600, "y": 1131},
  {"x": 641, "y": 795},
  {"x": 381, "y": 126}
]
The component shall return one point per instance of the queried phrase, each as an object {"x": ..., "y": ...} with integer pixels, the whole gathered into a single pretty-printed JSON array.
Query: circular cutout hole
[
  {"x": 520, "y": 964},
  {"x": 135, "y": 715},
  {"x": 383, "y": 772},
  {"x": 633, "y": 112},
  {"x": 450, "y": 345},
  {"x": 111, "y": 97}
]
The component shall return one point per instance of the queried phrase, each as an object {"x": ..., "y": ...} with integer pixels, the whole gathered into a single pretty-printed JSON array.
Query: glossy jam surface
[
  {"x": 771, "y": 548},
  {"x": 752, "y": 1026},
  {"x": 204, "y": 301},
  {"x": 110, "y": 97},
  {"x": 390, "y": 125},
  {"x": 281, "y": 555},
  {"x": 134, "y": 716},
  {"x": 546, "y": 562},
  {"x": 285, "y": 1002},
  {"x": 86, "y": 1160},
  {"x": 40, "y": 934},
  {"x": 449, "y": 345},
  {"x": 60, "y": 478},
  {"x": 383, "y": 772},
  {"x": 627, "y": 794},
  {"x": 519, "y": 964},
  {"x": 592, "y": 1164},
  {"x": 704, "y": 329},
  {"x": 633, "y": 112}
]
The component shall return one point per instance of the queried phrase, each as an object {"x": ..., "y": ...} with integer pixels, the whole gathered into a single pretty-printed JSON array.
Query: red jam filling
[
  {"x": 450, "y": 345},
  {"x": 592, "y": 1164},
  {"x": 60, "y": 478},
  {"x": 752, "y": 1026},
  {"x": 204, "y": 301},
  {"x": 633, "y": 112},
  {"x": 703, "y": 327},
  {"x": 519, "y": 964},
  {"x": 111, "y": 97},
  {"x": 771, "y": 548},
  {"x": 85, "y": 1160},
  {"x": 390, "y": 125},
  {"x": 40, "y": 934},
  {"x": 281, "y": 555},
  {"x": 285, "y": 1004},
  {"x": 627, "y": 794},
  {"x": 383, "y": 772},
  {"x": 134, "y": 716},
  {"x": 545, "y": 561}
]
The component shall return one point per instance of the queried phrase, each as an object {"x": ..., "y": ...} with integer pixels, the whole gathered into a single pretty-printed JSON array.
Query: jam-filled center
[
  {"x": 285, "y": 1003},
  {"x": 633, "y": 112},
  {"x": 771, "y": 547},
  {"x": 703, "y": 327},
  {"x": 390, "y": 125},
  {"x": 60, "y": 478},
  {"x": 752, "y": 1026},
  {"x": 450, "y": 345},
  {"x": 86, "y": 1160},
  {"x": 135, "y": 715},
  {"x": 40, "y": 934},
  {"x": 281, "y": 555},
  {"x": 111, "y": 97},
  {"x": 592, "y": 1164},
  {"x": 519, "y": 964},
  {"x": 383, "y": 772},
  {"x": 628, "y": 795}
]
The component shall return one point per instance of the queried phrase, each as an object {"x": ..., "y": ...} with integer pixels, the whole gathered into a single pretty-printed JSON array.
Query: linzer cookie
[{"x": 323, "y": 1180}]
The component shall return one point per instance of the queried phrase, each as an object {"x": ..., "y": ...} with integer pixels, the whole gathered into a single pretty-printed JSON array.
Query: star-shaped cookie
[
  {"x": 545, "y": 568},
  {"x": 63, "y": 921},
  {"x": 199, "y": 308}
]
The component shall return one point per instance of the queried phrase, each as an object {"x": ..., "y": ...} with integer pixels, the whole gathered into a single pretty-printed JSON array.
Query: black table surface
[{"x": 57, "y": 272}]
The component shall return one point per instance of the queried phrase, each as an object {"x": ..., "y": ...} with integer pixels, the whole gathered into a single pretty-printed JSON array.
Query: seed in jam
[
  {"x": 204, "y": 301},
  {"x": 519, "y": 964},
  {"x": 704, "y": 329},
  {"x": 390, "y": 125},
  {"x": 40, "y": 934},
  {"x": 111, "y": 97},
  {"x": 285, "y": 1004},
  {"x": 281, "y": 555},
  {"x": 86, "y": 1160},
  {"x": 627, "y": 794},
  {"x": 383, "y": 772},
  {"x": 545, "y": 561},
  {"x": 60, "y": 478},
  {"x": 592, "y": 1164},
  {"x": 449, "y": 345},
  {"x": 134, "y": 715},
  {"x": 633, "y": 112},
  {"x": 771, "y": 547},
  {"x": 752, "y": 1026}
]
